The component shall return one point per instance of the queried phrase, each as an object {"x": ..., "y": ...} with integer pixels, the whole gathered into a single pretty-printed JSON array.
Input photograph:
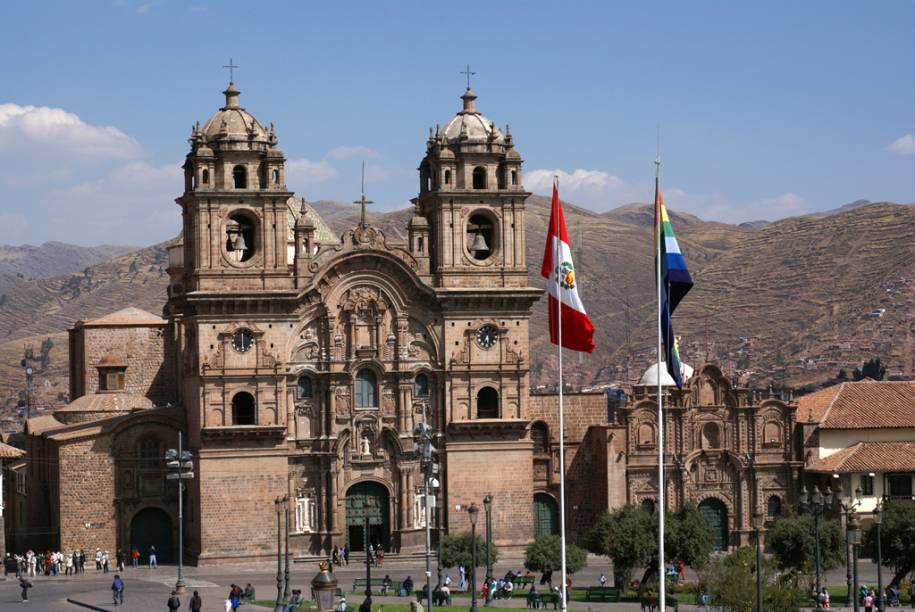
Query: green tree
[
  {"x": 544, "y": 555},
  {"x": 731, "y": 582},
  {"x": 872, "y": 368},
  {"x": 457, "y": 550},
  {"x": 897, "y": 538},
  {"x": 629, "y": 536},
  {"x": 793, "y": 541}
]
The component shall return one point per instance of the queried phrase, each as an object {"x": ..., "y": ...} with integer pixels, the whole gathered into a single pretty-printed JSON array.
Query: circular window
[{"x": 481, "y": 236}]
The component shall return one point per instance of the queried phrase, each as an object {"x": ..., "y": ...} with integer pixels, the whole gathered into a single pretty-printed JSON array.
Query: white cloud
[
  {"x": 300, "y": 172},
  {"x": 594, "y": 189},
  {"x": 131, "y": 204},
  {"x": 778, "y": 207},
  {"x": 25, "y": 128},
  {"x": 904, "y": 145},
  {"x": 356, "y": 151}
]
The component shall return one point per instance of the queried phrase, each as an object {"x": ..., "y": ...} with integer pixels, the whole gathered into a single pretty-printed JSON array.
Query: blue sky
[{"x": 766, "y": 109}]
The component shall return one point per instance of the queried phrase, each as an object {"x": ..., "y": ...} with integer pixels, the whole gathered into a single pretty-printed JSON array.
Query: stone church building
[{"x": 297, "y": 363}]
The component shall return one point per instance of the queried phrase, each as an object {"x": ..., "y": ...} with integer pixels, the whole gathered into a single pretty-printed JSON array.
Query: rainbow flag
[{"x": 675, "y": 283}]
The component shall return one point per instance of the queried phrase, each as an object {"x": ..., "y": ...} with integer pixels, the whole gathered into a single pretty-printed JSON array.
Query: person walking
[
  {"x": 117, "y": 588},
  {"x": 153, "y": 562},
  {"x": 196, "y": 603},
  {"x": 25, "y": 584},
  {"x": 135, "y": 557},
  {"x": 704, "y": 600},
  {"x": 869, "y": 602},
  {"x": 346, "y": 554},
  {"x": 462, "y": 576},
  {"x": 173, "y": 602}
]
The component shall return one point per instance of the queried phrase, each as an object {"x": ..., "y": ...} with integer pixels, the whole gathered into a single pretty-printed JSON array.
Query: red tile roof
[
  {"x": 865, "y": 404},
  {"x": 10, "y": 452},
  {"x": 865, "y": 457}
]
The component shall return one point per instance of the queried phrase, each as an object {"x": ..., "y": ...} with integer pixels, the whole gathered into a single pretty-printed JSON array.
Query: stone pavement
[{"x": 149, "y": 589}]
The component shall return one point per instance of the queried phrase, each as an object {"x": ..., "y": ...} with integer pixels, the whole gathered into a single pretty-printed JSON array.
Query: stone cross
[{"x": 362, "y": 201}]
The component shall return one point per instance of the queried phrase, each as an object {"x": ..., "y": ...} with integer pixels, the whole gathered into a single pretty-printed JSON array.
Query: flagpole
[
  {"x": 562, "y": 480},
  {"x": 661, "y": 503}
]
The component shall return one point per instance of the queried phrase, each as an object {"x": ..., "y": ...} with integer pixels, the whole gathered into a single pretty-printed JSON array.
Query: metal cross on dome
[
  {"x": 231, "y": 68},
  {"x": 469, "y": 74}
]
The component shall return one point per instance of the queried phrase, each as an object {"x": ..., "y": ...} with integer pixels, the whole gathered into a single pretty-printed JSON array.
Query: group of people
[{"x": 57, "y": 563}]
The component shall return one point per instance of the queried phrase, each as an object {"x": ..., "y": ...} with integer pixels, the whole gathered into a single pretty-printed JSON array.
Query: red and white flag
[{"x": 577, "y": 329}]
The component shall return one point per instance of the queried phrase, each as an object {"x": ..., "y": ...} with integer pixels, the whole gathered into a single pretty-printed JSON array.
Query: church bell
[
  {"x": 479, "y": 243},
  {"x": 238, "y": 244}
]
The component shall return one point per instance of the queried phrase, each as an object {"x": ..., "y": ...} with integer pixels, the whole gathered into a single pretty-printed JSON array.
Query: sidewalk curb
[{"x": 85, "y": 605}]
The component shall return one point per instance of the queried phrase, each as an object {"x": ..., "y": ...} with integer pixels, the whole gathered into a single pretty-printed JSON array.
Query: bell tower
[
  {"x": 234, "y": 204},
  {"x": 471, "y": 194}
]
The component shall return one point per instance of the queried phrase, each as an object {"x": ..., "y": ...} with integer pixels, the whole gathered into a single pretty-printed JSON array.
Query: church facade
[{"x": 298, "y": 363}]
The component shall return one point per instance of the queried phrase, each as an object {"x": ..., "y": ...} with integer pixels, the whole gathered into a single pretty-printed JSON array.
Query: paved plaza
[{"x": 148, "y": 589}]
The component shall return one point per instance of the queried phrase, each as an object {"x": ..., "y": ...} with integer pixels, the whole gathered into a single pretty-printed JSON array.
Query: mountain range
[{"x": 788, "y": 302}]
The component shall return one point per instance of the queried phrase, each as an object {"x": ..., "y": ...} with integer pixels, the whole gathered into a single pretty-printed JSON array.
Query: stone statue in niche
[{"x": 366, "y": 446}]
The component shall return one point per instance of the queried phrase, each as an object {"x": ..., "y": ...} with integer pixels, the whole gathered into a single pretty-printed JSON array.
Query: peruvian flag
[{"x": 557, "y": 268}]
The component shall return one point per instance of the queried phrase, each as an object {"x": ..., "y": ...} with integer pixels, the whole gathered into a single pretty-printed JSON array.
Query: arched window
[
  {"x": 366, "y": 389},
  {"x": 276, "y": 176},
  {"x": 648, "y": 506},
  {"x": 480, "y": 236},
  {"x": 239, "y": 177},
  {"x": 487, "y": 403},
  {"x": 304, "y": 387},
  {"x": 514, "y": 177},
  {"x": 240, "y": 237},
  {"x": 540, "y": 436},
  {"x": 501, "y": 179},
  {"x": 774, "y": 506},
  {"x": 205, "y": 177},
  {"x": 243, "y": 412},
  {"x": 772, "y": 434},
  {"x": 421, "y": 385},
  {"x": 447, "y": 177},
  {"x": 479, "y": 178},
  {"x": 710, "y": 436},
  {"x": 646, "y": 435}
]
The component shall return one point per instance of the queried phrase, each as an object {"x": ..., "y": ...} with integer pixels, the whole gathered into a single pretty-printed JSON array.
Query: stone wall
[
  {"x": 237, "y": 516},
  {"x": 147, "y": 350},
  {"x": 501, "y": 469},
  {"x": 87, "y": 513}
]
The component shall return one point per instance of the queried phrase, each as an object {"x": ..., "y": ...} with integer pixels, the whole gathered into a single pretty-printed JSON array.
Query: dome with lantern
[
  {"x": 233, "y": 121},
  {"x": 650, "y": 377},
  {"x": 469, "y": 125}
]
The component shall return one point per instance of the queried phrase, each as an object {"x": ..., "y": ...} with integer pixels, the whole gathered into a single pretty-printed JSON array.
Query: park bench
[
  {"x": 523, "y": 581},
  {"x": 377, "y": 583},
  {"x": 420, "y": 597},
  {"x": 548, "y": 597},
  {"x": 602, "y": 593}
]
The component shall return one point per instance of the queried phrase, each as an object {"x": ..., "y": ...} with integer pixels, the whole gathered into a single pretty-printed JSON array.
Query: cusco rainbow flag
[{"x": 675, "y": 283}]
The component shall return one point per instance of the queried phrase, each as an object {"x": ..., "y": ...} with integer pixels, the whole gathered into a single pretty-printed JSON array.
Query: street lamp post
[
  {"x": 279, "y": 556},
  {"x": 817, "y": 504},
  {"x": 848, "y": 506},
  {"x": 473, "y": 511},
  {"x": 487, "y": 506},
  {"x": 286, "y": 593},
  {"x": 854, "y": 537},
  {"x": 365, "y": 546},
  {"x": 757, "y": 528},
  {"x": 878, "y": 519},
  {"x": 180, "y": 463}
]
